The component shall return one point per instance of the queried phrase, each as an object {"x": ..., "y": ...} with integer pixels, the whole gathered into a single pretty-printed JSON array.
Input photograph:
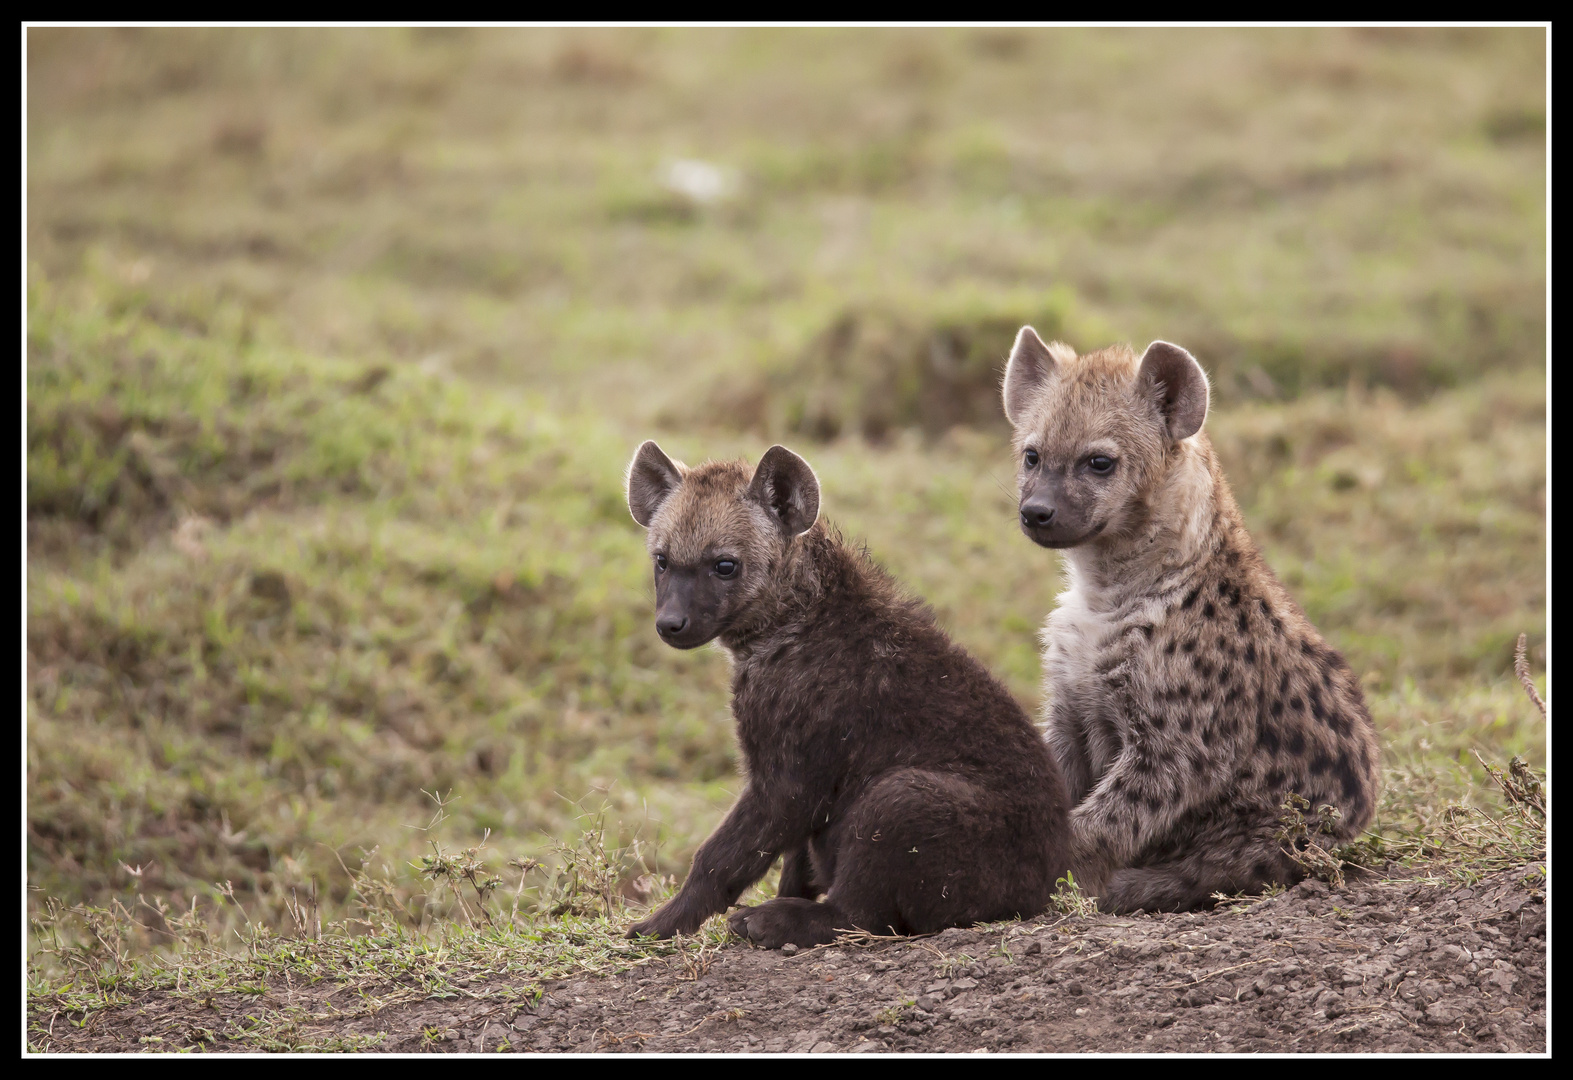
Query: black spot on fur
[
  {"x": 1297, "y": 704},
  {"x": 1267, "y": 738},
  {"x": 1348, "y": 779},
  {"x": 1278, "y": 709},
  {"x": 1275, "y": 778},
  {"x": 1146, "y": 630},
  {"x": 1188, "y": 645},
  {"x": 1316, "y": 704},
  {"x": 1243, "y": 624},
  {"x": 1185, "y": 724},
  {"x": 1158, "y": 721},
  {"x": 1296, "y": 743},
  {"x": 1245, "y": 773},
  {"x": 1203, "y": 668},
  {"x": 1168, "y": 650},
  {"x": 1266, "y": 608},
  {"x": 1153, "y": 804},
  {"x": 1250, "y": 653},
  {"x": 1207, "y": 610},
  {"x": 1190, "y": 598},
  {"x": 1321, "y": 764},
  {"x": 1283, "y": 683}
]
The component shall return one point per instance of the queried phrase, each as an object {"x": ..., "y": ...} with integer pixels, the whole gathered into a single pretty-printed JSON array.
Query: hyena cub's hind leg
[
  {"x": 797, "y": 876},
  {"x": 1246, "y": 860}
]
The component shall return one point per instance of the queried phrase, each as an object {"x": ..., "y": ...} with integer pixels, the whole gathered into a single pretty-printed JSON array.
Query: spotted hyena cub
[
  {"x": 1187, "y": 693},
  {"x": 891, "y": 772}
]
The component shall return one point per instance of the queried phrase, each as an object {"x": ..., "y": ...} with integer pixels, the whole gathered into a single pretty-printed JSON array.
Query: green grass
[{"x": 339, "y": 342}]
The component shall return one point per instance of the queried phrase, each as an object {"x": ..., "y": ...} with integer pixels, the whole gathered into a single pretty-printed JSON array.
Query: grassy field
[{"x": 338, "y": 343}]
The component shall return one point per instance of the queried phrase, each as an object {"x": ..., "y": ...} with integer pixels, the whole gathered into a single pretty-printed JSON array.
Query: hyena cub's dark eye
[
  {"x": 725, "y": 567},
  {"x": 1032, "y": 459},
  {"x": 1100, "y": 464},
  {"x": 660, "y": 562}
]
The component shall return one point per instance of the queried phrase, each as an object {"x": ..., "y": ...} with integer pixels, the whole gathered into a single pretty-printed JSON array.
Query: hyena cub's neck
[
  {"x": 797, "y": 584},
  {"x": 1188, "y": 514}
]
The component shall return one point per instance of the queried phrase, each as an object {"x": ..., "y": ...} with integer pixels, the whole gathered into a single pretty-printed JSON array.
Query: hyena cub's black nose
[
  {"x": 667, "y": 625},
  {"x": 1036, "y": 515}
]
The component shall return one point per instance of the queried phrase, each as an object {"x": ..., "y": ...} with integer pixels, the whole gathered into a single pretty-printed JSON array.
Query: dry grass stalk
[{"x": 1521, "y": 669}]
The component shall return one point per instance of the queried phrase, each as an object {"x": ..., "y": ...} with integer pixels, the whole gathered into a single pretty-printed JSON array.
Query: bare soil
[{"x": 1384, "y": 965}]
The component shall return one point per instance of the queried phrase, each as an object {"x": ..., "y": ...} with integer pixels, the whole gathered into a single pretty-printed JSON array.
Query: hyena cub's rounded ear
[
  {"x": 652, "y": 477},
  {"x": 785, "y": 485},
  {"x": 1031, "y": 362},
  {"x": 1178, "y": 386}
]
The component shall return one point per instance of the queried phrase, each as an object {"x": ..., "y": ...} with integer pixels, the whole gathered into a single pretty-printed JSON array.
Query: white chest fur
[{"x": 1082, "y": 710}]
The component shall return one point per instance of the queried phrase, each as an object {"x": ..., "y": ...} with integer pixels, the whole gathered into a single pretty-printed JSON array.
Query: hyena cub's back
[{"x": 1188, "y": 694}]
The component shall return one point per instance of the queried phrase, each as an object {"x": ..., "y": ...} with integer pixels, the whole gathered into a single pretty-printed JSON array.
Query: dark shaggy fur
[{"x": 894, "y": 775}]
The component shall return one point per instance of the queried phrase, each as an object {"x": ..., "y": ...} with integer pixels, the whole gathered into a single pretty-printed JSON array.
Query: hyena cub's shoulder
[{"x": 1188, "y": 695}]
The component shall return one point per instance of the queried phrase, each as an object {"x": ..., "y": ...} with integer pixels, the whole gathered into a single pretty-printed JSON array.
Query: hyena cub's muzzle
[
  {"x": 688, "y": 602},
  {"x": 1050, "y": 517}
]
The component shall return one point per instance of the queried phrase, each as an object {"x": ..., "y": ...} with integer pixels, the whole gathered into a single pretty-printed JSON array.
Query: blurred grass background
[{"x": 338, "y": 342}]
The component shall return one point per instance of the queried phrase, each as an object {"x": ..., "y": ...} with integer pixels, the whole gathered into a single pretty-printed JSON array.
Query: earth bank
[{"x": 1401, "y": 964}]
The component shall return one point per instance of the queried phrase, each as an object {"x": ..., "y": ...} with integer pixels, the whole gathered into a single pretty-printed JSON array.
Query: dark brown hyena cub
[
  {"x": 1188, "y": 694},
  {"x": 894, "y": 775}
]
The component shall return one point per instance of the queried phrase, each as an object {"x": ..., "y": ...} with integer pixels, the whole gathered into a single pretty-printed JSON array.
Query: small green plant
[
  {"x": 1070, "y": 900},
  {"x": 950, "y": 966},
  {"x": 454, "y": 867},
  {"x": 1305, "y": 841},
  {"x": 1519, "y": 784},
  {"x": 889, "y": 1017},
  {"x": 87, "y": 941},
  {"x": 589, "y": 878}
]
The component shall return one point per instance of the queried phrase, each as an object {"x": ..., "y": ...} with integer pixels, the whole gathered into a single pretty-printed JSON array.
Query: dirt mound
[
  {"x": 1406, "y": 964},
  {"x": 873, "y": 371}
]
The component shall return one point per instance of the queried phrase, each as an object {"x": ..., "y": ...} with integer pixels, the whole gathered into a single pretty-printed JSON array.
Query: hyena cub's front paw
[
  {"x": 785, "y": 921},
  {"x": 670, "y": 920}
]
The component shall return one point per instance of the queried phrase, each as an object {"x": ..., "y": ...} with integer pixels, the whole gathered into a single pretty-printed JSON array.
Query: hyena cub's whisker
[
  {"x": 893, "y": 775},
  {"x": 1187, "y": 694}
]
